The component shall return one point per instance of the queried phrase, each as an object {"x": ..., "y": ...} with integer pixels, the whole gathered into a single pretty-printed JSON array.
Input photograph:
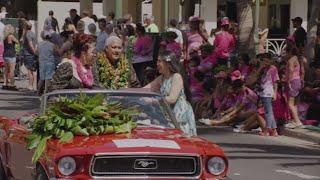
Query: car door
[{"x": 18, "y": 157}]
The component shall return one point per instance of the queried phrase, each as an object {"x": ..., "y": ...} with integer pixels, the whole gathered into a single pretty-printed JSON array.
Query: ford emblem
[{"x": 145, "y": 164}]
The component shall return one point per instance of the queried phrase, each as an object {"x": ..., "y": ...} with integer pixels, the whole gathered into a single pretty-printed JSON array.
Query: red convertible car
[{"x": 156, "y": 149}]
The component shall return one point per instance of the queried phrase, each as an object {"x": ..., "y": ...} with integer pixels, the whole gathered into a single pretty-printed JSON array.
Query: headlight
[
  {"x": 216, "y": 165},
  {"x": 67, "y": 166}
]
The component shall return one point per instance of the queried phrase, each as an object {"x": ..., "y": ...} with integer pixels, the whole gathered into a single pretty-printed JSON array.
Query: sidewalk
[{"x": 309, "y": 133}]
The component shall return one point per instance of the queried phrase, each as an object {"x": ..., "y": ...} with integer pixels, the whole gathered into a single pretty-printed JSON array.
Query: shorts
[
  {"x": 10, "y": 59},
  {"x": 295, "y": 88},
  {"x": 46, "y": 70},
  {"x": 30, "y": 62}
]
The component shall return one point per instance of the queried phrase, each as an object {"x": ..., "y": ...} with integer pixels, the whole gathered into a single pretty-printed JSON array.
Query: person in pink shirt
[
  {"x": 172, "y": 45},
  {"x": 294, "y": 84},
  {"x": 268, "y": 92},
  {"x": 224, "y": 43},
  {"x": 244, "y": 65},
  {"x": 208, "y": 59},
  {"x": 142, "y": 52},
  {"x": 195, "y": 79},
  {"x": 243, "y": 107},
  {"x": 194, "y": 38}
]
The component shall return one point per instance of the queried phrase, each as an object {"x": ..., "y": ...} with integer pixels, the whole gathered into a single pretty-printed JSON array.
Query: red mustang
[{"x": 156, "y": 149}]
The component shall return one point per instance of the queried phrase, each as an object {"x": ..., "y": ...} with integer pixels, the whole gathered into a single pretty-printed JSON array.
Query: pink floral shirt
[
  {"x": 175, "y": 48},
  {"x": 196, "y": 88},
  {"x": 268, "y": 80},
  {"x": 224, "y": 43},
  {"x": 143, "y": 49},
  {"x": 248, "y": 98},
  {"x": 207, "y": 64}
]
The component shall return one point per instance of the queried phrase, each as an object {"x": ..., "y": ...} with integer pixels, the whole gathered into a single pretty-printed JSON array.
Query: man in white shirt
[
  {"x": 151, "y": 27},
  {"x": 87, "y": 20},
  {"x": 173, "y": 28},
  {"x": 3, "y": 13}
]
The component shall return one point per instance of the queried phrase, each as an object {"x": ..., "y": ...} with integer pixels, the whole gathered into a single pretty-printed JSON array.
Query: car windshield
[{"x": 152, "y": 110}]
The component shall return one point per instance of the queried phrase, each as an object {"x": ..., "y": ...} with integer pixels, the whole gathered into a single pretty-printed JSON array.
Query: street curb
[{"x": 303, "y": 134}]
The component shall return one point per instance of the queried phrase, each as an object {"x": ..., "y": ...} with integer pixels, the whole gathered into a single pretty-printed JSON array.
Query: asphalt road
[{"x": 251, "y": 157}]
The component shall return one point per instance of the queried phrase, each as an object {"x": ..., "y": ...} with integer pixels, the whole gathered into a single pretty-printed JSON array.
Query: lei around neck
[{"x": 111, "y": 77}]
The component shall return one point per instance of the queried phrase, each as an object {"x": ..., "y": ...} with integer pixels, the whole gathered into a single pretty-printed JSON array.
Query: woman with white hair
[
  {"x": 112, "y": 70},
  {"x": 9, "y": 55}
]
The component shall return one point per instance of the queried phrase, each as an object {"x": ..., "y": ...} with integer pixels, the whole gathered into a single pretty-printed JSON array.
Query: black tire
[
  {"x": 3, "y": 175},
  {"x": 41, "y": 174}
]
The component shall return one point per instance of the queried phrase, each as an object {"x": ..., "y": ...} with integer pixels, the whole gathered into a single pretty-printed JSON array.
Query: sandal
[
  {"x": 264, "y": 133},
  {"x": 273, "y": 132},
  {"x": 206, "y": 121}
]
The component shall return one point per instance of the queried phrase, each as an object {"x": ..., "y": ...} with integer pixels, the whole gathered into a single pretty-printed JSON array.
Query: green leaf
[
  {"x": 78, "y": 107},
  {"x": 95, "y": 101},
  {"x": 69, "y": 123},
  {"x": 33, "y": 141},
  {"x": 67, "y": 137},
  {"x": 48, "y": 126},
  {"x": 40, "y": 149},
  {"x": 79, "y": 131}
]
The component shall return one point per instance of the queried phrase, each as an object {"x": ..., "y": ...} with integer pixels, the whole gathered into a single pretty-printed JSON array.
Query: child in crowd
[
  {"x": 267, "y": 91},
  {"x": 244, "y": 65}
]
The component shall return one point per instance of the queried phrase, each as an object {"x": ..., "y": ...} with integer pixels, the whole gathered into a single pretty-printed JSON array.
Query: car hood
[{"x": 140, "y": 140}]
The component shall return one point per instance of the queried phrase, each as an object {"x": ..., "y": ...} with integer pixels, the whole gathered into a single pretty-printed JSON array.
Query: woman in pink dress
[
  {"x": 195, "y": 37},
  {"x": 293, "y": 81}
]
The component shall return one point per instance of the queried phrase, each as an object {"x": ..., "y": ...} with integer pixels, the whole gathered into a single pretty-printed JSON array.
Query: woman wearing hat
[
  {"x": 242, "y": 103},
  {"x": 195, "y": 37},
  {"x": 224, "y": 43},
  {"x": 173, "y": 87}
]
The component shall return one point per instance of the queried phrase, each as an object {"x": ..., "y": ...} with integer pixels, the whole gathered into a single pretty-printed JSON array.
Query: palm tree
[{"x": 245, "y": 20}]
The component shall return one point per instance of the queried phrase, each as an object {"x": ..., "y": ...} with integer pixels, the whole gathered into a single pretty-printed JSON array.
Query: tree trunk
[
  {"x": 246, "y": 31},
  {"x": 312, "y": 29}
]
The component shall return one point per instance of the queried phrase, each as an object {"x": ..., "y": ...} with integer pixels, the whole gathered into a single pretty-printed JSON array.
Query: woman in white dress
[{"x": 171, "y": 85}]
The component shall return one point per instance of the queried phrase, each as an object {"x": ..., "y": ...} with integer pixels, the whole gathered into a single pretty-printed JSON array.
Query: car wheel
[
  {"x": 2, "y": 172},
  {"x": 41, "y": 174}
]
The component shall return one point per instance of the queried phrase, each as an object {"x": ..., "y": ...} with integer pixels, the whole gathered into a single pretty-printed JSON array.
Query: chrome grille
[{"x": 151, "y": 165}]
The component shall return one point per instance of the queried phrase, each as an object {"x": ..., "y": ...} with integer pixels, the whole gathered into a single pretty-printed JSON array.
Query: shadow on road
[{"x": 299, "y": 164}]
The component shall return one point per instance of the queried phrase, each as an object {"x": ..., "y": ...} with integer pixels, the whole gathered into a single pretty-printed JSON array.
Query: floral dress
[{"x": 181, "y": 109}]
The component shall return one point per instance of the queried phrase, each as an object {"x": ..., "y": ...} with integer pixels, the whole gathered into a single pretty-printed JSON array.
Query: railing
[{"x": 275, "y": 46}]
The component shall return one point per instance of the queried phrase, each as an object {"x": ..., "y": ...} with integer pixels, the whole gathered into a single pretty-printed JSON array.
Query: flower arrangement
[{"x": 111, "y": 77}]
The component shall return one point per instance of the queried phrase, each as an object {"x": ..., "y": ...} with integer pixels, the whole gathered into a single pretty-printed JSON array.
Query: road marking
[{"x": 300, "y": 175}]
